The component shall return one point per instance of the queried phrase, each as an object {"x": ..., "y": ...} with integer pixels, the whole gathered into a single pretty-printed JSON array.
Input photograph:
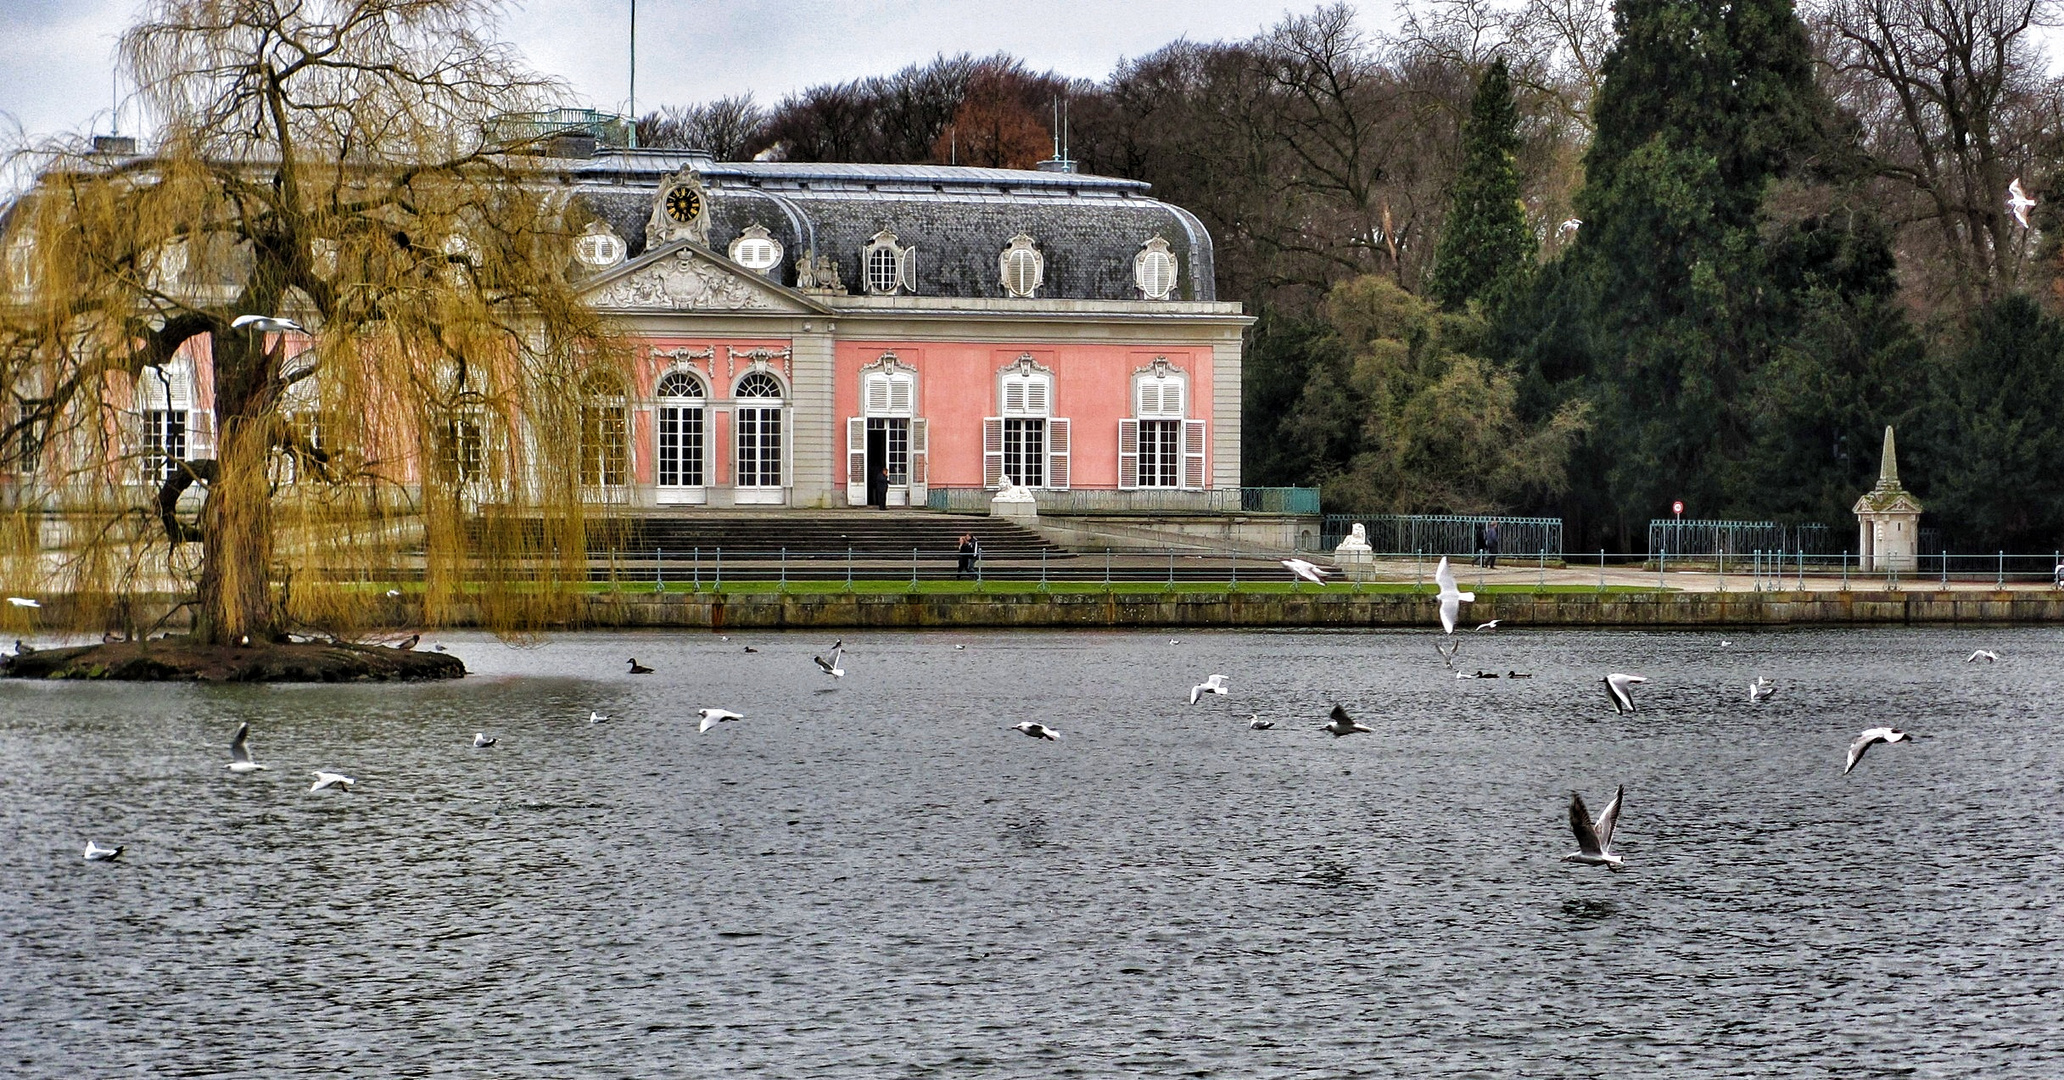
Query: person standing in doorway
[{"x": 1490, "y": 544}]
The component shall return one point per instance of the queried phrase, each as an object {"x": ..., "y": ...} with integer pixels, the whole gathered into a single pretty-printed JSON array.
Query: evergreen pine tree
[
  {"x": 1486, "y": 238},
  {"x": 1705, "y": 104}
]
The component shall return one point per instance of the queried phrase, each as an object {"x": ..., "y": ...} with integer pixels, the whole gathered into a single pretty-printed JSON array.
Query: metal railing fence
[
  {"x": 1697, "y": 536},
  {"x": 1752, "y": 571},
  {"x": 1091, "y": 500},
  {"x": 1446, "y": 534}
]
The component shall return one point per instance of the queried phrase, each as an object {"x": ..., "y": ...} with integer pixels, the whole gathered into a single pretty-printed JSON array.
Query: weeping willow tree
[{"x": 334, "y": 163}]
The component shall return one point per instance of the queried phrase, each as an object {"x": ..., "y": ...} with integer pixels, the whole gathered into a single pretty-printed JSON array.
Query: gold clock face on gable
[{"x": 683, "y": 204}]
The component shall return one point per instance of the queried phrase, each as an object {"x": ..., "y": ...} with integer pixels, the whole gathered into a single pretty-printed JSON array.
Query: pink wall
[{"x": 956, "y": 386}]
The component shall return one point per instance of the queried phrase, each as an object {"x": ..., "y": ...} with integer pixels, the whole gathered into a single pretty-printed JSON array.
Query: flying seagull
[
  {"x": 22, "y": 601},
  {"x": 1256, "y": 723},
  {"x": 1343, "y": 724},
  {"x": 392, "y": 593},
  {"x": 1447, "y": 652},
  {"x": 1871, "y": 737},
  {"x": 96, "y": 853},
  {"x": 1569, "y": 226},
  {"x": 638, "y": 668},
  {"x": 831, "y": 667},
  {"x": 266, "y": 325},
  {"x": 1213, "y": 685},
  {"x": 481, "y": 741},
  {"x": 1306, "y": 570},
  {"x": 1760, "y": 689},
  {"x": 1451, "y": 599},
  {"x": 1038, "y": 731},
  {"x": 2018, "y": 202},
  {"x": 240, "y": 751},
  {"x": 1492, "y": 625},
  {"x": 1986, "y": 655},
  {"x": 596, "y": 718},
  {"x": 712, "y": 717},
  {"x": 1594, "y": 842},
  {"x": 1618, "y": 685},
  {"x": 330, "y": 779}
]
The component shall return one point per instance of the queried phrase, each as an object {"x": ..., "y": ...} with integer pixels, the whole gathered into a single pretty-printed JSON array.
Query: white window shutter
[
  {"x": 1128, "y": 454},
  {"x": 877, "y": 395},
  {"x": 906, "y": 269},
  {"x": 992, "y": 452},
  {"x": 899, "y": 395},
  {"x": 856, "y": 461},
  {"x": 1036, "y": 401},
  {"x": 1172, "y": 398},
  {"x": 1193, "y": 454},
  {"x": 1057, "y": 454},
  {"x": 1014, "y": 397},
  {"x": 920, "y": 445}
]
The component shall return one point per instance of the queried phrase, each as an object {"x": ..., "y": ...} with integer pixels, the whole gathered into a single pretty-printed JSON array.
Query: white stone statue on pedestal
[
  {"x": 1354, "y": 556},
  {"x": 1015, "y": 500}
]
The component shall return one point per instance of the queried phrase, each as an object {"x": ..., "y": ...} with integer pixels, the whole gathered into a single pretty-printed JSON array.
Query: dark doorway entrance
[{"x": 877, "y": 466}]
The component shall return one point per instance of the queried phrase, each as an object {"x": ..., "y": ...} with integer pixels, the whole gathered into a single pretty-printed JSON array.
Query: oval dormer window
[
  {"x": 1024, "y": 269},
  {"x": 756, "y": 250}
]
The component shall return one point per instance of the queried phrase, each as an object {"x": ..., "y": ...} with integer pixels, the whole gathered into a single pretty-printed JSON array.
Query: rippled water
[{"x": 881, "y": 880}]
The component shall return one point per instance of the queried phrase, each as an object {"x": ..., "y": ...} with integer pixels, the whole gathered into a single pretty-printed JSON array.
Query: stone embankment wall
[{"x": 836, "y": 611}]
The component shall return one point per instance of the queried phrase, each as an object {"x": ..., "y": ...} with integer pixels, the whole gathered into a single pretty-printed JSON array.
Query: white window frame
[
  {"x": 756, "y": 243},
  {"x": 888, "y": 392},
  {"x": 599, "y": 248},
  {"x": 1152, "y": 388},
  {"x": 901, "y": 261},
  {"x": 1025, "y": 392},
  {"x": 696, "y": 447},
  {"x": 759, "y": 492},
  {"x": 603, "y": 408}
]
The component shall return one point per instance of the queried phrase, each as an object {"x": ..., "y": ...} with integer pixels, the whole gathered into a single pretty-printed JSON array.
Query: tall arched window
[
  {"x": 604, "y": 433},
  {"x": 1159, "y": 446},
  {"x": 759, "y": 445},
  {"x": 681, "y": 400},
  {"x": 1026, "y": 444}
]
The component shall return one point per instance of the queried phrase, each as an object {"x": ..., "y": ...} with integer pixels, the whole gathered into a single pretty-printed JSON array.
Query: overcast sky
[{"x": 56, "y": 56}]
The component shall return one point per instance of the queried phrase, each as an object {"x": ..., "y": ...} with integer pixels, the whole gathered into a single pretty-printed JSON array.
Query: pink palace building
[{"x": 842, "y": 335}]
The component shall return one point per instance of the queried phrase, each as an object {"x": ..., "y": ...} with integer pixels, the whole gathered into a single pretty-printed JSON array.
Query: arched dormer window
[
  {"x": 1153, "y": 270},
  {"x": 1023, "y": 267},
  {"x": 886, "y": 267},
  {"x": 682, "y": 432},
  {"x": 760, "y": 446}
]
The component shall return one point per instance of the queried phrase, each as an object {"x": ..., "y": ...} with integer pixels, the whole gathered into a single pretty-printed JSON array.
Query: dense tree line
[{"x": 1580, "y": 258}]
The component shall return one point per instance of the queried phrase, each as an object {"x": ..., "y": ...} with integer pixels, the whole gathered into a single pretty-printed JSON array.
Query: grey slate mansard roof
[{"x": 959, "y": 219}]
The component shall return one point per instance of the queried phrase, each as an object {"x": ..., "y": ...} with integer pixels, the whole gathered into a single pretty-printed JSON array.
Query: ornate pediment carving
[{"x": 685, "y": 281}]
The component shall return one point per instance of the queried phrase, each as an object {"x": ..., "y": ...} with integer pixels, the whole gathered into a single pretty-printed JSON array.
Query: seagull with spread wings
[{"x": 1594, "y": 841}]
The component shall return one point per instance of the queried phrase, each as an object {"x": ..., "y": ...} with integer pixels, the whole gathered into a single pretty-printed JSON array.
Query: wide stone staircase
[{"x": 874, "y": 535}]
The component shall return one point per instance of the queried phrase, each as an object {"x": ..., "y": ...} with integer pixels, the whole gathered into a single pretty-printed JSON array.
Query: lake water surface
[{"x": 876, "y": 878}]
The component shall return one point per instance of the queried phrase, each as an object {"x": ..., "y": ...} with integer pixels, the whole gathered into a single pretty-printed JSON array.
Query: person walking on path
[{"x": 1490, "y": 544}]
